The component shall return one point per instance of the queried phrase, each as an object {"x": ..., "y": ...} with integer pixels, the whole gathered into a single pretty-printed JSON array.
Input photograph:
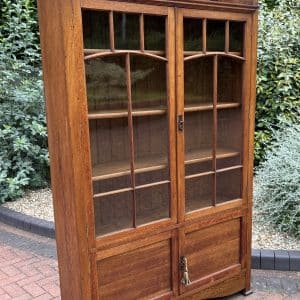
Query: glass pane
[
  {"x": 229, "y": 185},
  {"x": 229, "y": 139},
  {"x": 198, "y": 136},
  {"x": 229, "y": 161},
  {"x": 195, "y": 167},
  {"x": 152, "y": 204},
  {"x": 236, "y": 36},
  {"x": 148, "y": 79},
  {"x": 151, "y": 177},
  {"x": 109, "y": 146},
  {"x": 198, "y": 82},
  {"x": 106, "y": 84},
  {"x": 229, "y": 80},
  {"x": 111, "y": 184},
  {"x": 215, "y": 36},
  {"x": 198, "y": 192},
  {"x": 95, "y": 29},
  {"x": 151, "y": 142},
  {"x": 154, "y": 30},
  {"x": 127, "y": 31},
  {"x": 192, "y": 34},
  {"x": 113, "y": 213}
]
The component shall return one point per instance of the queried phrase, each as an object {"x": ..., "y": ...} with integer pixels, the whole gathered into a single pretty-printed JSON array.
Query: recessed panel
[
  {"x": 111, "y": 184},
  {"x": 155, "y": 32},
  {"x": 126, "y": 27},
  {"x": 95, "y": 26},
  {"x": 143, "y": 273},
  {"x": 212, "y": 249},
  {"x": 106, "y": 84},
  {"x": 113, "y": 213}
]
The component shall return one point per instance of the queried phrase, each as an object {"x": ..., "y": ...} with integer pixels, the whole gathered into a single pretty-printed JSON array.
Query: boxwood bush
[
  {"x": 24, "y": 159},
  {"x": 278, "y": 76},
  {"x": 277, "y": 182}
]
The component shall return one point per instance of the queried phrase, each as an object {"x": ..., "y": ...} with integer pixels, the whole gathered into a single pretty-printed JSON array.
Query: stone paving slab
[{"x": 28, "y": 270}]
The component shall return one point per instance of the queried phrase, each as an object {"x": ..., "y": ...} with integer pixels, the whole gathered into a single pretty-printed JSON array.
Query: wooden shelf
[
  {"x": 111, "y": 114},
  {"x": 121, "y": 168},
  {"x": 209, "y": 106},
  {"x": 202, "y": 155}
]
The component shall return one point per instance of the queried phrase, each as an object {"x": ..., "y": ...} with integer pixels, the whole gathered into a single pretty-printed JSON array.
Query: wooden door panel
[
  {"x": 143, "y": 272},
  {"x": 212, "y": 253}
]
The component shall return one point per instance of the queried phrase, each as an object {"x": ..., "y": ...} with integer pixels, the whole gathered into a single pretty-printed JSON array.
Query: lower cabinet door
[
  {"x": 139, "y": 270},
  {"x": 209, "y": 255}
]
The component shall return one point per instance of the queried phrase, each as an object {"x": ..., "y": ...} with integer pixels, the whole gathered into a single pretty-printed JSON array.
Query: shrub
[
  {"x": 277, "y": 182},
  {"x": 23, "y": 153},
  {"x": 278, "y": 76}
]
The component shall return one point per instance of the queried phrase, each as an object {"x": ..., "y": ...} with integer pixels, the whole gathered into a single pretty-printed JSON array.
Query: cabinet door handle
[{"x": 185, "y": 280}]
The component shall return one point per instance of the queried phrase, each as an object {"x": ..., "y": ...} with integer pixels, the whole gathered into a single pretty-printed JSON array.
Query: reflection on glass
[
  {"x": 229, "y": 185},
  {"x": 229, "y": 135},
  {"x": 148, "y": 79},
  {"x": 126, "y": 31},
  {"x": 198, "y": 192},
  {"x": 154, "y": 30},
  {"x": 198, "y": 136},
  {"x": 229, "y": 80},
  {"x": 192, "y": 34},
  {"x": 151, "y": 141},
  {"x": 95, "y": 29},
  {"x": 236, "y": 36},
  {"x": 215, "y": 40},
  {"x": 152, "y": 204},
  {"x": 113, "y": 213},
  {"x": 198, "y": 81},
  {"x": 109, "y": 142},
  {"x": 106, "y": 83}
]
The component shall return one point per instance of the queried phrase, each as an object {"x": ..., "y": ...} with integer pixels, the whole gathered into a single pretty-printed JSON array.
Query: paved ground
[{"x": 28, "y": 270}]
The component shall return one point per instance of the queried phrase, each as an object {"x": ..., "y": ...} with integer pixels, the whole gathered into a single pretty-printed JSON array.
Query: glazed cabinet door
[
  {"x": 130, "y": 96},
  {"x": 212, "y": 103},
  {"x": 129, "y": 67}
]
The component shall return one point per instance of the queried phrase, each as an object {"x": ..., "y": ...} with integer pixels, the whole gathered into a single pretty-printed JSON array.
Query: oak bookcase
[{"x": 150, "y": 110}]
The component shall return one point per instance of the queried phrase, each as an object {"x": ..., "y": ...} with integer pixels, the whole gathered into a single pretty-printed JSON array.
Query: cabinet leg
[{"x": 247, "y": 292}]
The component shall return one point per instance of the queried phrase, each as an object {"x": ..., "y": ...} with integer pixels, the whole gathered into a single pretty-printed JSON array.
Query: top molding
[{"x": 242, "y": 6}]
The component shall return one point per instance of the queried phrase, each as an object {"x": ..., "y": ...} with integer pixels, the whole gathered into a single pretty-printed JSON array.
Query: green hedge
[
  {"x": 278, "y": 76},
  {"x": 24, "y": 159}
]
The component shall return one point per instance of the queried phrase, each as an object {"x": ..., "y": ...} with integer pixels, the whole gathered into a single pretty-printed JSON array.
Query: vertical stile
[
  {"x": 130, "y": 129},
  {"x": 227, "y": 36},
  {"x": 204, "y": 23},
  {"x": 142, "y": 33},
  {"x": 111, "y": 31},
  {"x": 215, "y": 126}
]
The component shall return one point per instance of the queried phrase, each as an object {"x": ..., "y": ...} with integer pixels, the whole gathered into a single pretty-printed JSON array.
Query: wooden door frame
[{"x": 248, "y": 107}]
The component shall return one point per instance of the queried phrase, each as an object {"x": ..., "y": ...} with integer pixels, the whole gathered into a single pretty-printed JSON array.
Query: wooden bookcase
[{"x": 150, "y": 109}]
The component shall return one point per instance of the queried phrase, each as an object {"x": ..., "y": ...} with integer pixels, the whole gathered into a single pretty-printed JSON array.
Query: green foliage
[
  {"x": 24, "y": 159},
  {"x": 278, "y": 80},
  {"x": 277, "y": 182}
]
